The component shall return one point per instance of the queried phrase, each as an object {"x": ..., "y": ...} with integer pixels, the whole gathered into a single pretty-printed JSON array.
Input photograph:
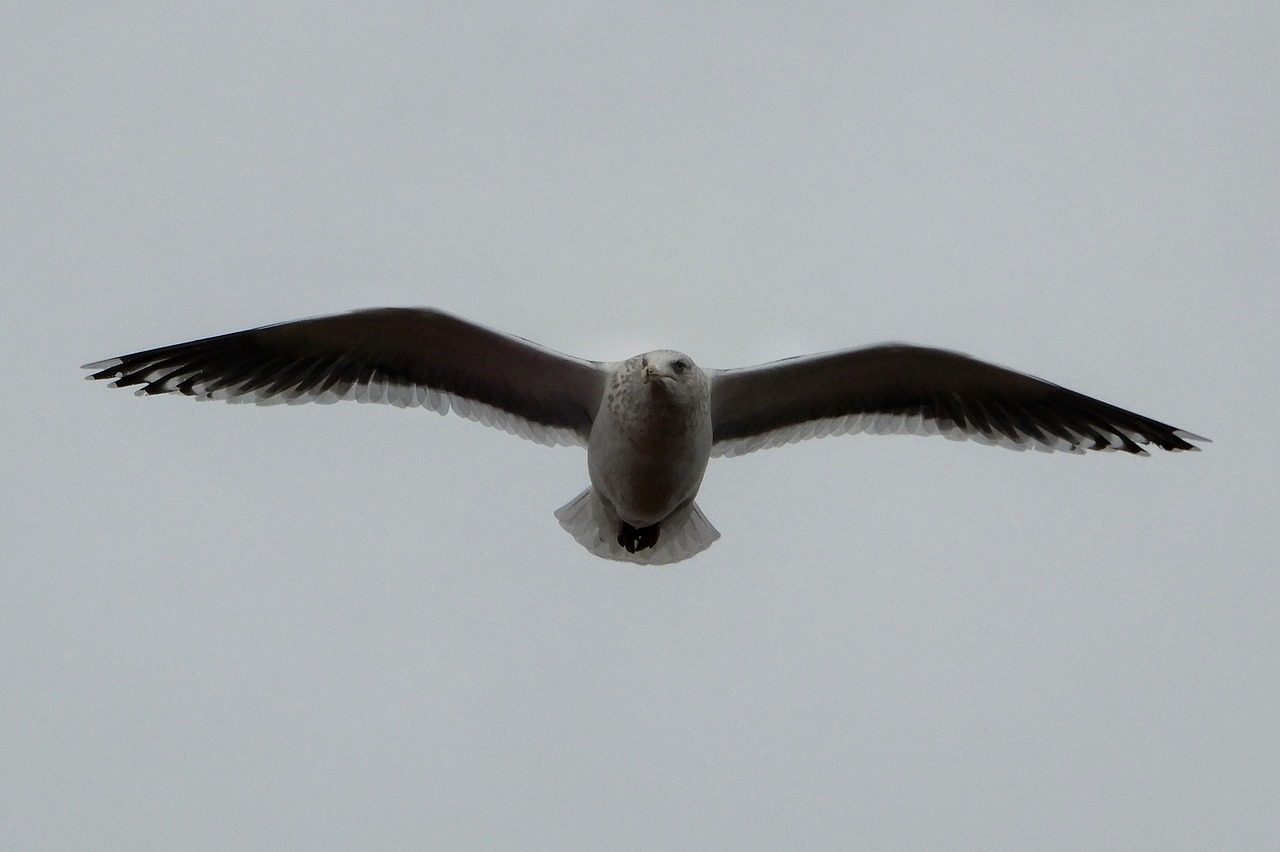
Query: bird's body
[
  {"x": 651, "y": 439},
  {"x": 649, "y": 447},
  {"x": 650, "y": 423}
]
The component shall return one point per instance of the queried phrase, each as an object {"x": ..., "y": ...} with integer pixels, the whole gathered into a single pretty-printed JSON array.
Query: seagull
[{"x": 649, "y": 423}]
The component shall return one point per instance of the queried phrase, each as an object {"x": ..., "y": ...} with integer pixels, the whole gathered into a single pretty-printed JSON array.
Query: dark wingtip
[
  {"x": 1179, "y": 440},
  {"x": 1191, "y": 436},
  {"x": 104, "y": 369}
]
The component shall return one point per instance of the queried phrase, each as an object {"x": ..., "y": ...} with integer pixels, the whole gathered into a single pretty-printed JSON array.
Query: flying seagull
[{"x": 649, "y": 423}]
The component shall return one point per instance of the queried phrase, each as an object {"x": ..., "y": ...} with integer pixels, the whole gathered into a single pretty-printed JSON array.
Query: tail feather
[{"x": 595, "y": 527}]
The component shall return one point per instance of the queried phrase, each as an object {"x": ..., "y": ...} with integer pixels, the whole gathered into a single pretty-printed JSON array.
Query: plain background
[{"x": 354, "y": 627}]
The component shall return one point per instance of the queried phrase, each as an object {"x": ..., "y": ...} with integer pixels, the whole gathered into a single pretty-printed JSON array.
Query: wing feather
[
  {"x": 897, "y": 388},
  {"x": 399, "y": 356}
]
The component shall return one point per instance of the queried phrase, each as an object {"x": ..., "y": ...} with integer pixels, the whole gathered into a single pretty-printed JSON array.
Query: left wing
[{"x": 897, "y": 388}]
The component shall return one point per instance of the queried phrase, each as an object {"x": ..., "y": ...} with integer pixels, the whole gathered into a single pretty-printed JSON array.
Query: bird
[{"x": 650, "y": 424}]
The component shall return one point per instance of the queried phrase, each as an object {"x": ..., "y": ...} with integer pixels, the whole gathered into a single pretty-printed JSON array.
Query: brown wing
[
  {"x": 401, "y": 356},
  {"x": 895, "y": 388}
]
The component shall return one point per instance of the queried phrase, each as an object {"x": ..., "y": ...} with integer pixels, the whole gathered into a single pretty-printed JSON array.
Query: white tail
[{"x": 595, "y": 527}]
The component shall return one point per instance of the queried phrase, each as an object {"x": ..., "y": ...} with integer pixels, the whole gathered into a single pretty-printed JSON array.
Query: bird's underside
[{"x": 420, "y": 357}]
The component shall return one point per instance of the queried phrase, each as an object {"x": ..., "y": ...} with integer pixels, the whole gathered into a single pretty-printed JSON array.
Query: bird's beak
[{"x": 651, "y": 373}]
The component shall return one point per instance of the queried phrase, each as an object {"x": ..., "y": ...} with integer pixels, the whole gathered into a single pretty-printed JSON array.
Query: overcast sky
[{"x": 357, "y": 627}]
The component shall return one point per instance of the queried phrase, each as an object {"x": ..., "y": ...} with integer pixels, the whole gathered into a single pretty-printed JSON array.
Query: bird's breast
[{"x": 649, "y": 462}]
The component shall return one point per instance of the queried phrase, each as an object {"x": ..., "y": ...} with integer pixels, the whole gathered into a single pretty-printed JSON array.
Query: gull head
[
  {"x": 666, "y": 367},
  {"x": 656, "y": 382}
]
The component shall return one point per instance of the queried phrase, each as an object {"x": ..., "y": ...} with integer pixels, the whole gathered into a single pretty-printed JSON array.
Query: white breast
[{"x": 649, "y": 446}]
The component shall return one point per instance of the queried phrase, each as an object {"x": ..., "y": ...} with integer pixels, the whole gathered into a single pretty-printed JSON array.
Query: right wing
[{"x": 401, "y": 356}]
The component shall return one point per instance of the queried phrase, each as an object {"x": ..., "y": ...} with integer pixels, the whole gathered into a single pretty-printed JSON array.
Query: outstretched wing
[
  {"x": 401, "y": 356},
  {"x": 895, "y": 388}
]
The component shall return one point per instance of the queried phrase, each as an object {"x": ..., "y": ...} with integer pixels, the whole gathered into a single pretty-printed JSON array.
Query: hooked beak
[{"x": 652, "y": 373}]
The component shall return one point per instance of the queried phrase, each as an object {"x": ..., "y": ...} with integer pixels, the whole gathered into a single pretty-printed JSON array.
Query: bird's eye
[{"x": 680, "y": 366}]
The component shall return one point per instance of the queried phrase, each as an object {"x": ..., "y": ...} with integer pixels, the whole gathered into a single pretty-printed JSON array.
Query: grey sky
[{"x": 358, "y": 627}]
